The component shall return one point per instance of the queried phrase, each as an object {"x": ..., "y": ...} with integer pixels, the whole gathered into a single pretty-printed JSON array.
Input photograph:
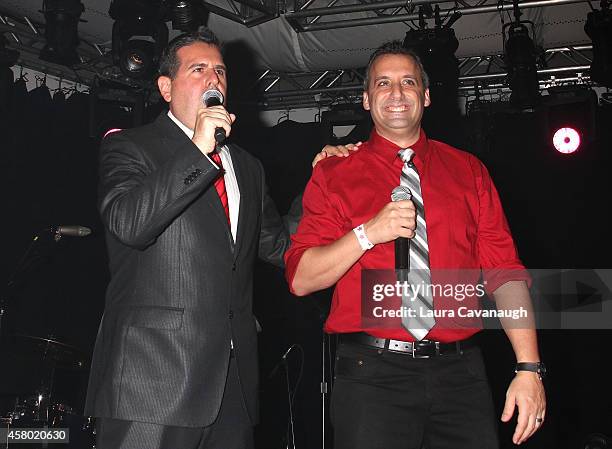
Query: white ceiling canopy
[{"x": 338, "y": 36}]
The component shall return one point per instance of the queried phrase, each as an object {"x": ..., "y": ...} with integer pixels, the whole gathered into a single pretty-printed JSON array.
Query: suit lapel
[{"x": 170, "y": 134}]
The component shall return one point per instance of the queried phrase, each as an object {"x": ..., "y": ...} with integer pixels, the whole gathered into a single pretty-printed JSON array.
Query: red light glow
[
  {"x": 111, "y": 131},
  {"x": 566, "y": 140}
]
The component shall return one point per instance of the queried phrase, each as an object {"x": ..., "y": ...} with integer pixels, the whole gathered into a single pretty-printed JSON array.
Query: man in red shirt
[{"x": 394, "y": 387}]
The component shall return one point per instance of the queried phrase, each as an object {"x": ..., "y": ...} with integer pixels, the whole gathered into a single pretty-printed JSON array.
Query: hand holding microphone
[
  {"x": 396, "y": 219},
  {"x": 213, "y": 122}
]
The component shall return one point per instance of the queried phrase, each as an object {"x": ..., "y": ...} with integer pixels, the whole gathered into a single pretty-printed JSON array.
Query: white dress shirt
[{"x": 231, "y": 184}]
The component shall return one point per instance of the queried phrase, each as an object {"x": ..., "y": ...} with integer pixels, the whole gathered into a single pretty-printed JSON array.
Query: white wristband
[{"x": 362, "y": 238}]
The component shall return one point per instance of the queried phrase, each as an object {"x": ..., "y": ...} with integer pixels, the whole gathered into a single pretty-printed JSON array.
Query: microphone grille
[
  {"x": 210, "y": 94},
  {"x": 401, "y": 193}
]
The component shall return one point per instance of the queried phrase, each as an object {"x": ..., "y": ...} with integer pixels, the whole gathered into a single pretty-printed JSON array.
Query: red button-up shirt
[{"x": 466, "y": 226}]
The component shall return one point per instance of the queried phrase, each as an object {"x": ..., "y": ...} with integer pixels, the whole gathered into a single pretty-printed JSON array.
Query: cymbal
[{"x": 48, "y": 350}]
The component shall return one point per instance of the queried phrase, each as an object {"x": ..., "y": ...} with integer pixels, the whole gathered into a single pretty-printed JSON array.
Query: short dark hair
[
  {"x": 395, "y": 48},
  {"x": 169, "y": 62}
]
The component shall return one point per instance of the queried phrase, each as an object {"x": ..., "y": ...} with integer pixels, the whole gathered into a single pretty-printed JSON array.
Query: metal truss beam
[
  {"x": 317, "y": 89},
  {"x": 246, "y": 12},
  {"x": 298, "y": 17},
  {"x": 27, "y": 38},
  {"x": 293, "y": 90}
]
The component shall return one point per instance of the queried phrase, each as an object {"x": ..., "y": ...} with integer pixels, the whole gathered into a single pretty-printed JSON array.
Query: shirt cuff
[{"x": 496, "y": 277}]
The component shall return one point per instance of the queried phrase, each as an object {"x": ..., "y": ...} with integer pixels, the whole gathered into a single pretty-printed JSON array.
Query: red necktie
[{"x": 220, "y": 185}]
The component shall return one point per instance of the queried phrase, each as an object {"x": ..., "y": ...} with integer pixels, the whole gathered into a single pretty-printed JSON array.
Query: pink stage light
[
  {"x": 112, "y": 130},
  {"x": 566, "y": 140}
]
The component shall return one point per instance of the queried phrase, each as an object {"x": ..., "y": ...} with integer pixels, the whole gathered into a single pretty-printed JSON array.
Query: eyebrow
[
  {"x": 386, "y": 77},
  {"x": 203, "y": 64}
]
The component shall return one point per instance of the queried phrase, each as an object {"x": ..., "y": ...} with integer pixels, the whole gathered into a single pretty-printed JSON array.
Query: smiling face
[
  {"x": 200, "y": 68},
  {"x": 396, "y": 98}
]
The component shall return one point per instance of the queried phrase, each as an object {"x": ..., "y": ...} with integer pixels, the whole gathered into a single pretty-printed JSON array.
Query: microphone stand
[
  {"x": 285, "y": 365},
  {"x": 23, "y": 264},
  {"x": 323, "y": 388}
]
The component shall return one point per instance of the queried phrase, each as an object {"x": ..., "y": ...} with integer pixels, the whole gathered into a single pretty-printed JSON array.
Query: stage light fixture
[
  {"x": 345, "y": 123},
  {"x": 139, "y": 36},
  {"x": 479, "y": 120},
  {"x": 570, "y": 117},
  {"x": 113, "y": 107},
  {"x": 436, "y": 48},
  {"x": 186, "y": 15},
  {"x": 61, "y": 31},
  {"x": 566, "y": 140},
  {"x": 598, "y": 27},
  {"x": 520, "y": 55}
]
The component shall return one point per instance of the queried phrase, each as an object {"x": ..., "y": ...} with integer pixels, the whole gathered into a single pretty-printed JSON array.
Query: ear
[
  {"x": 365, "y": 101},
  {"x": 164, "y": 84},
  {"x": 427, "y": 99}
]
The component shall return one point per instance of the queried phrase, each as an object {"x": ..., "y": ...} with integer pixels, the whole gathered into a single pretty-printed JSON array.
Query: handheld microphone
[
  {"x": 402, "y": 244},
  {"x": 60, "y": 231},
  {"x": 213, "y": 97},
  {"x": 71, "y": 230},
  {"x": 282, "y": 361}
]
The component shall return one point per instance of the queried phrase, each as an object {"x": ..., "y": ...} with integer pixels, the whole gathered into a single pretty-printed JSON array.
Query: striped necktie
[
  {"x": 220, "y": 184},
  {"x": 419, "y": 275}
]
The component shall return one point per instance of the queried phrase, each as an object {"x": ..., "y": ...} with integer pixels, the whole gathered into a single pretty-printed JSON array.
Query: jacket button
[
  {"x": 231, "y": 314},
  {"x": 234, "y": 267}
]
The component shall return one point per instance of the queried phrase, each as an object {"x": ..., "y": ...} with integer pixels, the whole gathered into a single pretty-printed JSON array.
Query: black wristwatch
[{"x": 535, "y": 367}]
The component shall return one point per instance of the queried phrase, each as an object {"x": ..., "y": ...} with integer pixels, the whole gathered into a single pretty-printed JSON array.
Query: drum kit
[
  {"x": 44, "y": 373},
  {"x": 43, "y": 408}
]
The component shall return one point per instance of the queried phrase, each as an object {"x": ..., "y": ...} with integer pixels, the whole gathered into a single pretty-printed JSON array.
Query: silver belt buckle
[{"x": 415, "y": 355}]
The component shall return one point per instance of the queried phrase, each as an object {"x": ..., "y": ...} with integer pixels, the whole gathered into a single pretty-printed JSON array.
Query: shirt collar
[
  {"x": 189, "y": 132},
  {"x": 388, "y": 150},
  {"x": 180, "y": 124}
]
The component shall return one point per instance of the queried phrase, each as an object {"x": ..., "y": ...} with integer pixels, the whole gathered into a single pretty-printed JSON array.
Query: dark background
[{"x": 556, "y": 206}]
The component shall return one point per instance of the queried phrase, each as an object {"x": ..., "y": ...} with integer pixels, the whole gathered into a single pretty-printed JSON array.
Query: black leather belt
[{"x": 419, "y": 350}]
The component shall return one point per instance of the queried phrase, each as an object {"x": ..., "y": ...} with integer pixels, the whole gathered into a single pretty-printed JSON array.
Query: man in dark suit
[{"x": 175, "y": 364}]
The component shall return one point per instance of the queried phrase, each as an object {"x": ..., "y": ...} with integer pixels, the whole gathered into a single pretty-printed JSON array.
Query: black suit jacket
[{"x": 180, "y": 288}]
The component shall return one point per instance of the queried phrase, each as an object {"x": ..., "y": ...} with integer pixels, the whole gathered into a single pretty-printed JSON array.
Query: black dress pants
[
  {"x": 385, "y": 400},
  {"x": 231, "y": 430}
]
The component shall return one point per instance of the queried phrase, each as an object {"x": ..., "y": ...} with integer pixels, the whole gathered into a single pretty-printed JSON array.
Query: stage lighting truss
[
  {"x": 246, "y": 12},
  {"x": 288, "y": 90},
  {"x": 281, "y": 90},
  {"x": 26, "y": 37},
  {"x": 316, "y": 15}
]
